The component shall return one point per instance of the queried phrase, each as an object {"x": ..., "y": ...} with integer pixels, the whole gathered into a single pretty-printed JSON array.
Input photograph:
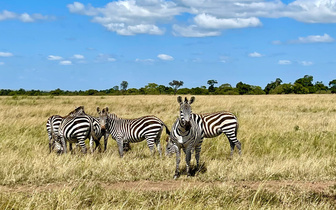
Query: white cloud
[
  {"x": 146, "y": 61},
  {"x": 211, "y": 22},
  {"x": 193, "y": 31},
  {"x": 255, "y": 55},
  {"x": 284, "y": 62},
  {"x": 165, "y": 57},
  {"x": 315, "y": 39},
  {"x": 306, "y": 63},
  {"x": 105, "y": 58},
  {"x": 24, "y": 17},
  {"x": 130, "y": 17},
  {"x": 65, "y": 63},
  {"x": 6, "y": 54},
  {"x": 312, "y": 11},
  {"x": 54, "y": 58},
  {"x": 206, "y": 17},
  {"x": 78, "y": 56}
]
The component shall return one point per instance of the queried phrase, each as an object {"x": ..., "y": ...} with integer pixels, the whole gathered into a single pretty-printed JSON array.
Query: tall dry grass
[{"x": 284, "y": 137}]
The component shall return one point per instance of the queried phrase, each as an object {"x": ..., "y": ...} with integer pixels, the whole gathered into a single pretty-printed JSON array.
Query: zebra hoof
[{"x": 176, "y": 176}]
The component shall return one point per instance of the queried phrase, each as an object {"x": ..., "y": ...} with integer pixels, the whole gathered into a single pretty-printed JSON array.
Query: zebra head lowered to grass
[
  {"x": 186, "y": 134},
  {"x": 126, "y": 131}
]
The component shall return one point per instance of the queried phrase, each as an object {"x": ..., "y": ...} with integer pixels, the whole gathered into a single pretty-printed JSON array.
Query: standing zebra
[
  {"x": 214, "y": 124},
  {"x": 186, "y": 134},
  {"x": 75, "y": 129},
  {"x": 53, "y": 124},
  {"x": 126, "y": 131}
]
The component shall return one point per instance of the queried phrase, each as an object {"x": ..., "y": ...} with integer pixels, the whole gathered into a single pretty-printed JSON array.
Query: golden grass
[{"x": 284, "y": 138}]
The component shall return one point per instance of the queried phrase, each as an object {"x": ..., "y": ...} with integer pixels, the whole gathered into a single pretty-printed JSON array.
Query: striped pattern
[
  {"x": 126, "y": 131},
  {"x": 214, "y": 124},
  {"x": 187, "y": 134},
  {"x": 52, "y": 125},
  {"x": 77, "y": 128}
]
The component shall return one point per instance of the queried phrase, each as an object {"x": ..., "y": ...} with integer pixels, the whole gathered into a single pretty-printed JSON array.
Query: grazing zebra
[
  {"x": 53, "y": 124},
  {"x": 126, "y": 131},
  {"x": 186, "y": 134},
  {"x": 75, "y": 129}
]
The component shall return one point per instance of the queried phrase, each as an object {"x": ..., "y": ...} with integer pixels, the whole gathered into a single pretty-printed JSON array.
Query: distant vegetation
[{"x": 302, "y": 85}]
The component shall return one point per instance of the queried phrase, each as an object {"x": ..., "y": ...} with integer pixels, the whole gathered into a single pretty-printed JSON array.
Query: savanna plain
[{"x": 288, "y": 157}]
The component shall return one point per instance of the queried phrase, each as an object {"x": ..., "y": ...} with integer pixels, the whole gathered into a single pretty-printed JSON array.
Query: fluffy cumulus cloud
[
  {"x": 165, "y": 57},
  {"x": 315, "y": 39},
  {"x": 24, "y": 17},
  {"x": 199, "y": 18}
]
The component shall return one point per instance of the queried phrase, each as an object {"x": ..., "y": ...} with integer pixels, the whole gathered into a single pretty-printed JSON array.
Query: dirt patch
[{"x": 170, "y": 185}]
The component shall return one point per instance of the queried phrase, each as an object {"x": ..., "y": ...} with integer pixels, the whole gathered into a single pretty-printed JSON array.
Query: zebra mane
[{"x": 79, "y": 110}]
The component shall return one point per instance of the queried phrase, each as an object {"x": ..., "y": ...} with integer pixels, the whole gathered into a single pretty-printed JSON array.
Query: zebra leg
[
  {"x": 105, "y": 141},
  {"x": 82, "y": 144},
  {"x": 120, "y": 143},
  {"x": 197, "y": 154},
  {"x": 97, "y": 143},
  {"x": 91, "y": 145},
  {"x": 150, "y": 143},
  {"x": 64, "y": 145},
  {"x": 157, "y": 142},
  {"x": 238, "y": 145},
  {"x": 188, "y": 158},
  {"x": 178, "y": 160}
]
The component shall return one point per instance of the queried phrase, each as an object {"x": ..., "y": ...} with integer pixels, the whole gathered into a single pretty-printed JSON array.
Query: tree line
[{"x": 302, "y": 85}]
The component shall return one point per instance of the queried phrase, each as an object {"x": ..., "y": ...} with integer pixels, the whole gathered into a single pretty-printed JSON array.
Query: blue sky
[{"x": 80, "y": 45}]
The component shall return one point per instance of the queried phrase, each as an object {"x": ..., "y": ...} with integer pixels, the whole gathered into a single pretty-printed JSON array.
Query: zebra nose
[{"x": 103, "y": 127}]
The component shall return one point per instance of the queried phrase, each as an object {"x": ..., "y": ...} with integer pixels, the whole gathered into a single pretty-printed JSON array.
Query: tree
[
  {"x": 152, "y": 89},
  {"x": 124, "y": 85},
  {"x": 272, "y": 85},
  {"x": 243, "y": 88},
  {"x": 175, "y": 85},
  {"x": 332, "y": 85},
  {"x": 211, "y": 84}
]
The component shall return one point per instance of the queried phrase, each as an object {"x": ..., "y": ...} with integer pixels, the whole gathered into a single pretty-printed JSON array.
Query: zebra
[
  {"x": 214, "y": 124},
  {"x": 75, "y": 129},
  {"x": 53, "y": 124},
  {"x": 126, "y": 131},
  {"x": 186, "y": 134}
]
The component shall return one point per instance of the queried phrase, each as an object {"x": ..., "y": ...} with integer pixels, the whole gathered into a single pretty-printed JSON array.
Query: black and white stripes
[
  {"x": 75, "y": 128},
  {"x": 186, "y": 134},
  {"x": 126, "y": 131}
]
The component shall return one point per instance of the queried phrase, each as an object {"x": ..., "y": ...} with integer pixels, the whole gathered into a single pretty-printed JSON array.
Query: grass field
[{"x": 288, "y": 157}]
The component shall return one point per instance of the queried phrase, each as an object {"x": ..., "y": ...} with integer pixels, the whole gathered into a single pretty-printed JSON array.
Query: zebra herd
[{"x": 188, "y": 131}]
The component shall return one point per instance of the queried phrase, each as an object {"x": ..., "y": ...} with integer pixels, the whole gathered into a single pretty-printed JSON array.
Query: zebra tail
[{"x": 167, "y": 130}]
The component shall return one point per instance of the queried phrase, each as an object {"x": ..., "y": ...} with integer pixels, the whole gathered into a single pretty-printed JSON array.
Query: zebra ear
[
  {"x": 179, "y": 99},
  {"x": 98, "y": 109},
  {"x": 107, "y": 109},
  {"x": 192, "y": 99}
]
